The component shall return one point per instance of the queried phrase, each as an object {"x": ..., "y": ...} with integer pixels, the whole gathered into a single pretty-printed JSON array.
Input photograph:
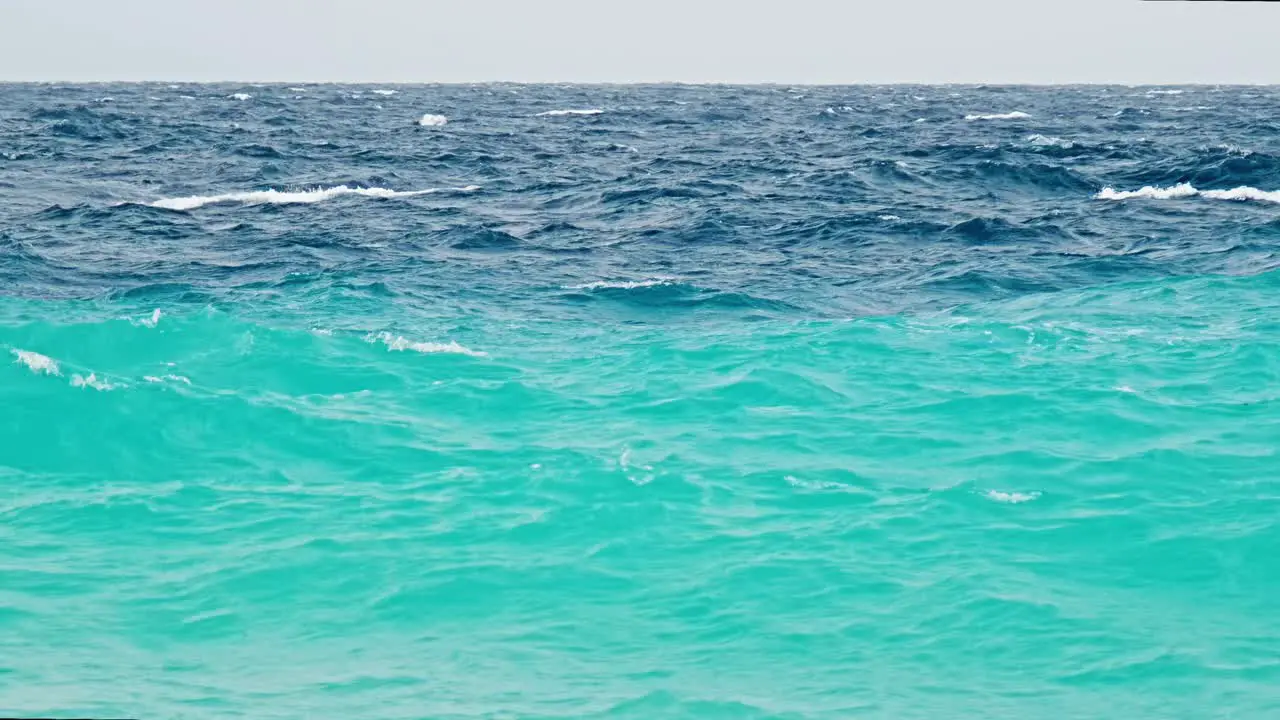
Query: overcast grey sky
[{"x": 792, "y": 41}]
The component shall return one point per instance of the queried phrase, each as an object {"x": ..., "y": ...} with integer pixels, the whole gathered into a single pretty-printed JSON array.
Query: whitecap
[
  {"x": 1165, "y": 92},
  {"x": 399, "y": 343},
  {"x": 430, "y": 120},
  {"x": 150, "y": 321},
  {"x": 562, "y": 113},
  {"x": 37, "y": 363},
  {"x": 386, "y": 92},
  {"x": 92, "y": 381},
  {"x": 1015, "y": 115},
  {"x": 296, "y": 89},
  {"x": 1186, "y": 190},
  {"x": 621, "y": 284},
  {"x": 242, "y": 96},
  {"x": 1011, "y": 498},
  {"x": 1049, "y": 141},
  {"x": 888, "y": 218},
  {"x": 278, "y": 197}
]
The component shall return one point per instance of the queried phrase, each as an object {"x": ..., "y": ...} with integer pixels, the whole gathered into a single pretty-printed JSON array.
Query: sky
[{"x": 734, "y": 41}]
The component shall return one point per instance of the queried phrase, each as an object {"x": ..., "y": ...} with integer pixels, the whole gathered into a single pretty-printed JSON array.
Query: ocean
[{"x": 635, "y": 402}]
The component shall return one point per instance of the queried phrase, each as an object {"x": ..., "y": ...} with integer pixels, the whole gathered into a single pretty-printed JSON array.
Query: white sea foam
[
  {"x": 1164, "y": 92},
  {"x": 1049, "y": 141},
  {"x": 888, "y": 218},
  {"x": 296, "y": 89},
  {"x": 1012, "y": 498},
  {"x": 37, "y": 363},
  {"x": 150, "y": 321},
  {"x": 284, "y": 197},
  {"x": 386, "y": 92},
  {"x": 242, "y": 96},
  {"x": 399, "y": 343},
  {"x": 430, "y": 120},
  {"x": 1186, "y": 190},
  {"x": 167, "y": 378},
  {"x": 621, "y": 284},
  {"x": 794, "y": 481},
  {"x": 562, "y": 113},
  {"x": 92, "y": 381},
  {"x": 1015, "y": 115}
]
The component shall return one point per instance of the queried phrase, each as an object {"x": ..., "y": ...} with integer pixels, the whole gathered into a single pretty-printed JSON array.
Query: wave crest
[
  {"x": 399, "y": 343},
  {"x": 279, "y": 197},
  {"x": 1187, "y": 190},
  {"x": 563, "y": 113},
  {"x": 430, "y": 120},
  {"x": 1015, "y": 115}
]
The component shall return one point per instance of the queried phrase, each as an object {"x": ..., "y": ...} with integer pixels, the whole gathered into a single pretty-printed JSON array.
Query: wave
[
  {"x": 1165, "y": 92},
  {"x": 1015, "y": 115},
  {"x": 430, "y": 120},
  {"x": 386, "y": 92},
  {"x": 399, "y": 343},
  {"x": 1187, "y": 190},
  {"x": 278, "y": 197},
  {"x": 242, "y": 96},
  {"x": 622, "y": 284},
  {"x": 37, "y": 363},
  {"x": 562, "y": 113},
  {"x": 1049, "y": 141}
]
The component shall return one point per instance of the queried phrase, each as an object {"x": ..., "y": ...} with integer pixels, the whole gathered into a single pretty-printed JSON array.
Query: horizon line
[{"x": 653, "y": 83}]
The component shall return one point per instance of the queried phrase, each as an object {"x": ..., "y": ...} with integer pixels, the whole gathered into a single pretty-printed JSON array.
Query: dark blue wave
[{"x": 810, "y": 201}]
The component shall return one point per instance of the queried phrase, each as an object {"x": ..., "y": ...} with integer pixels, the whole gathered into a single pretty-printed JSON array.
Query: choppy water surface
[{"x": 639, "y": 402}]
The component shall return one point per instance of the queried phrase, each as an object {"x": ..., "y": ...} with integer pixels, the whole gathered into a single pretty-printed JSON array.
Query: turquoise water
[
  {"x": 1061, "y": 506},
  {"x": 699, "y": 448}
]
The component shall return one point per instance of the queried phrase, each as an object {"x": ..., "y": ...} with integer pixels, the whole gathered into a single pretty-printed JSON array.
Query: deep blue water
[{"x": 760, "y": 402}]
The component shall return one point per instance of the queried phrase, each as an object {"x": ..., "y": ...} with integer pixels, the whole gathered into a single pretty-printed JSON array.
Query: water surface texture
[{"x": 639, "y": 402}]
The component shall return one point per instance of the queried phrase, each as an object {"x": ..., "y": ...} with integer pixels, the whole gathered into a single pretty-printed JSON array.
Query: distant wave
[
  {"x": 562, "y": 113},
  {"x": 398, "y": 343},
  {"x": 37, "y": 363},
  {"x": 1049, "y": 141},
  {"x": 242, "y": 96},
  {"x": 1015, "y": 115},
  {"x": 1186, "y": 190},
  {"x": 278, "y": 197},
  {"x": 386, "y": 92},
  {"x": 430, "y": 120},
  {"x": 1164, "y": 92}
]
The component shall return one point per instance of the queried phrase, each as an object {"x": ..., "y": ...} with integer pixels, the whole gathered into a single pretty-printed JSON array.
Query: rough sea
[{"x": 502, "y": 401}]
